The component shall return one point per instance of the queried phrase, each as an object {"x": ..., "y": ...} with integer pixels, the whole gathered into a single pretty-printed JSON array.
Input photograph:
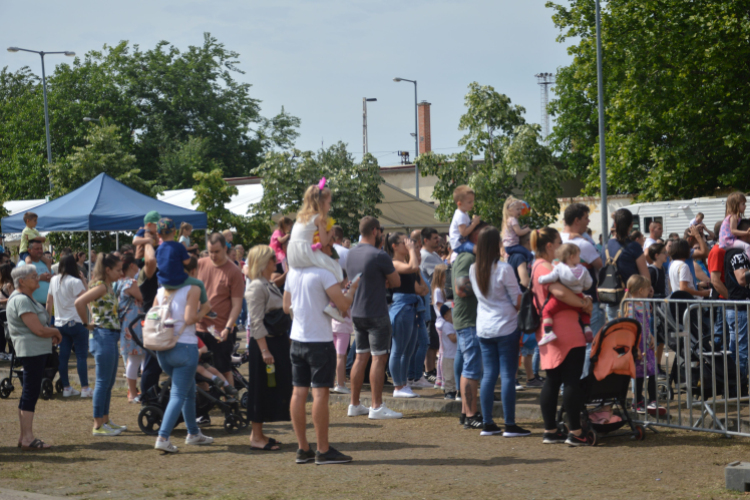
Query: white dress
[{"x": 299, "y": 252}]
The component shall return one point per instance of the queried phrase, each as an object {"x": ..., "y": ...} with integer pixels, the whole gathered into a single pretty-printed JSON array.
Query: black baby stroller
[
  {"x": 50, "y": 371},
  {"x": 155, "y": 401},
  {"x": 606, "y": 386},
  {"x": 240, "y": 383}
]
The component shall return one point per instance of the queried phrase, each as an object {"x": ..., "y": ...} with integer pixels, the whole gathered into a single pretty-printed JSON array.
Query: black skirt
[{"x": 269, "y": 404}]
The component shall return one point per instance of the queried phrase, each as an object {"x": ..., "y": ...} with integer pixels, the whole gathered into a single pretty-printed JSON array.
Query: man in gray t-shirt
[{"x": 372, "y": 325}]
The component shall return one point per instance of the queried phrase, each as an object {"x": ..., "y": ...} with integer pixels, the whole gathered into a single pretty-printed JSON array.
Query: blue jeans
[
  {"x": 612, "y": 312},
  {"x": 737, "y": 322},
  {"x": 404, "y": 342},
  {"x": 499, "y": 354},
  {"x": 465, "y": 247},
  {"x": 522, "y": 250},
  {"x": 75, "y": 335},
  {"x": 597, "y": 322},
  {"x": 471, "y": 352},
  {"x": 719, "y": 327},
  {"x": 536, "y": 362},
  {"x": 180, "y": 364},
  {"x": 416, "y": 365},
  {"x": 106, "y": 357}
]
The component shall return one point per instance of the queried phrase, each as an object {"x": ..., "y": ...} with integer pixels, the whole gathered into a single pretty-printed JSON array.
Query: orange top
[{"x": 567, "y": 326}]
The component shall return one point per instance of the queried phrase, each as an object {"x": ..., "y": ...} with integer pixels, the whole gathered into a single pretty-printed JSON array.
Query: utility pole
[{"x": 545, "y": 80}]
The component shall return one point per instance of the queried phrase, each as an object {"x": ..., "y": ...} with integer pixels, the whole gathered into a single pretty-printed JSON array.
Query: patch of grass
[{"x": 26, "y": 473}]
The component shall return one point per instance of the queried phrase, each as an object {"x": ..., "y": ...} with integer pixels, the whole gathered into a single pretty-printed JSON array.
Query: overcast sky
[{"x": 319, "y": 58}]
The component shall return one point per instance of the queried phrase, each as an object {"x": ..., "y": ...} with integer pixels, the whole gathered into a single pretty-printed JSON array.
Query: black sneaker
[
  {"x": 431, "y": 376},
  {"x": 305, "y": 456},
  {"x": 331, "y": 457},
  {"x": 513, "y": 431},
  {"x": 474, "y": 422},
  {"x": 662, "y": 375},
  {"x": 581, "y": 440},
  {"x": 554, "y": 437},
  {"x": 462, "y": 419},
  {"x": 203, "y": 420},
  {"x": 450, "y": 395},
  {"x": 490, "y": 429}
]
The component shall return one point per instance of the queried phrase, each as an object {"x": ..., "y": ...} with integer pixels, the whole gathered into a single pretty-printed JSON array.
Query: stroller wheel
[
  {"x": 232, "y": 423},
  {"x": 640, "y": 433},
  {"x": 591, "y": 434},
  {"x": 663, "y": 392},
  {"x": 149, "y": 420},
  {"x": 48, "y": 389},
  {"x": 244, "y": 399},
  {"x": 58, "y": 385},
  {"x": 6, "y": 387}
]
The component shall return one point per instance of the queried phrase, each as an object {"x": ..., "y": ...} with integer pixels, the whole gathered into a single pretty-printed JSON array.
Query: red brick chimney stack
[{"x": 425, "y": 135}]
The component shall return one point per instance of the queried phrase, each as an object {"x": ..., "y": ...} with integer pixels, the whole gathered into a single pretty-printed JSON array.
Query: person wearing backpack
[{"x": 627, "y": 256}]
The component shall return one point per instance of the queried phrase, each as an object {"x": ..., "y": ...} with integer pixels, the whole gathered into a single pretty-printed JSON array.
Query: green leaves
[
  {"x": 355, "y": 187},
  {"x": 515, "y": 161},
  {"x": 676, "y": 96}
]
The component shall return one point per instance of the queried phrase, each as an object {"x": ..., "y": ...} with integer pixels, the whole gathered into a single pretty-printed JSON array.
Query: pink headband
[{"x": 322, "y": 183}]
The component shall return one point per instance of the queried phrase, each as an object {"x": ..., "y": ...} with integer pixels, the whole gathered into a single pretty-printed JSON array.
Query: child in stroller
[{"x": 206, "y": 370}]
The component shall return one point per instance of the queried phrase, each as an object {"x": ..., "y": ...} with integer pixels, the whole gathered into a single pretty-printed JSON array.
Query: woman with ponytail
[
  {"x": 562, "y": 358},
  {"x": 105, "y": 323}
]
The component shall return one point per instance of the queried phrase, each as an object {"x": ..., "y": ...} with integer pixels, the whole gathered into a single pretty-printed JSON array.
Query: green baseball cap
[{"x": 152, "y": 217}]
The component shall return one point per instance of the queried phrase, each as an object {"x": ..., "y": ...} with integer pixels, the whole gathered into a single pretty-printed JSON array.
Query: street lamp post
[
  {"x": 416, "y": 134},
  {"x": 602, "y": 155},
  {"x": 44, "y": 87},
  {"x": 365, "y": 100}
]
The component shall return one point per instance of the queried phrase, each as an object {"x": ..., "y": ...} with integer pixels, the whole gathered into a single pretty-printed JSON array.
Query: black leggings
[
  {"x": 651, "y": 389},
  {"x": 569, "y": 373},
  {"x": 33, "y": 373}
]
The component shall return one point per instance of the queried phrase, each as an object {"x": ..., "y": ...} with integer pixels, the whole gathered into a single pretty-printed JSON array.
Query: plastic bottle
[{"x": 271, "y": 372}]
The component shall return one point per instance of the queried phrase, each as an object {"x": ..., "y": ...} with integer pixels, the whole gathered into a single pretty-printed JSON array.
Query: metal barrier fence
[{"x": 706, "y": 358}]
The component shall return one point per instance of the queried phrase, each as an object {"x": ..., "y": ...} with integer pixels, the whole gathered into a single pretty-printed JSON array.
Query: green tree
[
  {"x": 515, "y": 162},
  {"x": 355, "y": 187},
  {"x": 103, "y": 153},
  {"x": 675, "y": 96},
  {"x": 179, "y": 163}
]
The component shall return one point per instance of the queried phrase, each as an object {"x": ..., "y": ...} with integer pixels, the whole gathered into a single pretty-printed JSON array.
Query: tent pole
[{"x": 89, "y": 256}]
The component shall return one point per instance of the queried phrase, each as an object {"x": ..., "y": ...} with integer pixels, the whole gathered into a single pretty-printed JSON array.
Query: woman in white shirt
[
  {"x": 680, "y": 278},
  {"x": 180, "y": 363},
  {"x": 64, "y": 288},
  {"x": 499, "y": 299}
]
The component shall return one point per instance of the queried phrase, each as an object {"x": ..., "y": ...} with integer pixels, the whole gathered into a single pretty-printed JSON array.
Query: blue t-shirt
[
  {"x": 515, "y": 260},
  {"x": 169, "y": 257},
  {"x": 40, "y": 294},
  {"x": 626, "y": 261}
]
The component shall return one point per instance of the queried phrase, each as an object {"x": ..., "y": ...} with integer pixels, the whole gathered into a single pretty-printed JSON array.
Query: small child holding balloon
[{"x": 512, "y": 230}]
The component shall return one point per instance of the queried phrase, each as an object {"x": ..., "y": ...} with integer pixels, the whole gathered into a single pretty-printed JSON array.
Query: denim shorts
[
  {"x": 469, "y": 342},
  {"x": 529, "y": 344},
  {"x": 313, "y": 364},
  {"x": 373, "y": 335}
]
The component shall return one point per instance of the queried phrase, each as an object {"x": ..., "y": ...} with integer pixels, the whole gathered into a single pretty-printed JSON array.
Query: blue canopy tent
[{"x": 102, "y": 204}]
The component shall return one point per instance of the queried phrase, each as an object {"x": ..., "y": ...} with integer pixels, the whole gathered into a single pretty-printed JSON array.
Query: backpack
[
  {"x": 528, "y": 315},
  {"x": 611, "y": 289},
  {"x": 157, "y": 335}
]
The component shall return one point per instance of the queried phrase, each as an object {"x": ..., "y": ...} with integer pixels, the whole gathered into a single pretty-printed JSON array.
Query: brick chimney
[{"x": 425, "y": 135}]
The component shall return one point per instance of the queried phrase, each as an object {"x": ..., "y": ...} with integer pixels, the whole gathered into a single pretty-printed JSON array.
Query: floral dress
[
  {"x": 639, "y": 312},
  {"x": 128, "y": 310},
  {"x": 104, "y": 309}
]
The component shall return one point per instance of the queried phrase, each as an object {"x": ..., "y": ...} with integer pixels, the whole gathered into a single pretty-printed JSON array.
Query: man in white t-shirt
[
  {"x": 338, "y": 245},
  {"x": 307, "y": 293},
  {"x": 576, "y": 220},
  {"x": 655, "y": 231}
]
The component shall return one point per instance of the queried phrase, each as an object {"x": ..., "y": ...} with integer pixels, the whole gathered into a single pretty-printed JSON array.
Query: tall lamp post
[
  {"x": 416, "y": 135},
  {"x": 44, "y": 87},
  {"x": 365, "y": 100},
  {"x": 602, "y": 155}
]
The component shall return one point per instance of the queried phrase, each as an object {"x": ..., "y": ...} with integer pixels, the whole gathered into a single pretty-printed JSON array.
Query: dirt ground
[{"x": 424, "y": 455}]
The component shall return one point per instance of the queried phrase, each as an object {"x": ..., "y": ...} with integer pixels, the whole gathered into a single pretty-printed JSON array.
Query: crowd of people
[{"x": 423, "y": 311}]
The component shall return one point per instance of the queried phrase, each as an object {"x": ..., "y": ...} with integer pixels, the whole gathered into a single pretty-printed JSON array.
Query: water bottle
[{"x": 271, "y": 372}]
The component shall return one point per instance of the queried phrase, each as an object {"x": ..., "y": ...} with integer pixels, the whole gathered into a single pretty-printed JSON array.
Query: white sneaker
[
  {"x": 334, "y": 313},
  {"x": 384, "y": 413},
  {"x": 404, "y": 392},
  {"x": 70, "y": 392},
  {"x": 422, "y": 383},
  {"x": 105, "y": 431},
  {"x": 355, "y": 411},
  {"x": 520, "y": 387},
  {"x": 199, "y": 439},
  {"x": 341, "y": 389},
  {"x": 87, "y": 393},
  {"x": 547, "y": 338},
  {"x": 165, "y": 446}
]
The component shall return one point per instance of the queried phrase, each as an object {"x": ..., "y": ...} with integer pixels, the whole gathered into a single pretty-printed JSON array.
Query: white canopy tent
[{"x": 400, "y": 210}]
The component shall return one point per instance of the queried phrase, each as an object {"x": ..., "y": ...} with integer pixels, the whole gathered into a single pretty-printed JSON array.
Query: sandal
[
  {"x": 268, "y": 447},
  {"x": 36, "y": 445},
  {"x": 273, "y": 441}
]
